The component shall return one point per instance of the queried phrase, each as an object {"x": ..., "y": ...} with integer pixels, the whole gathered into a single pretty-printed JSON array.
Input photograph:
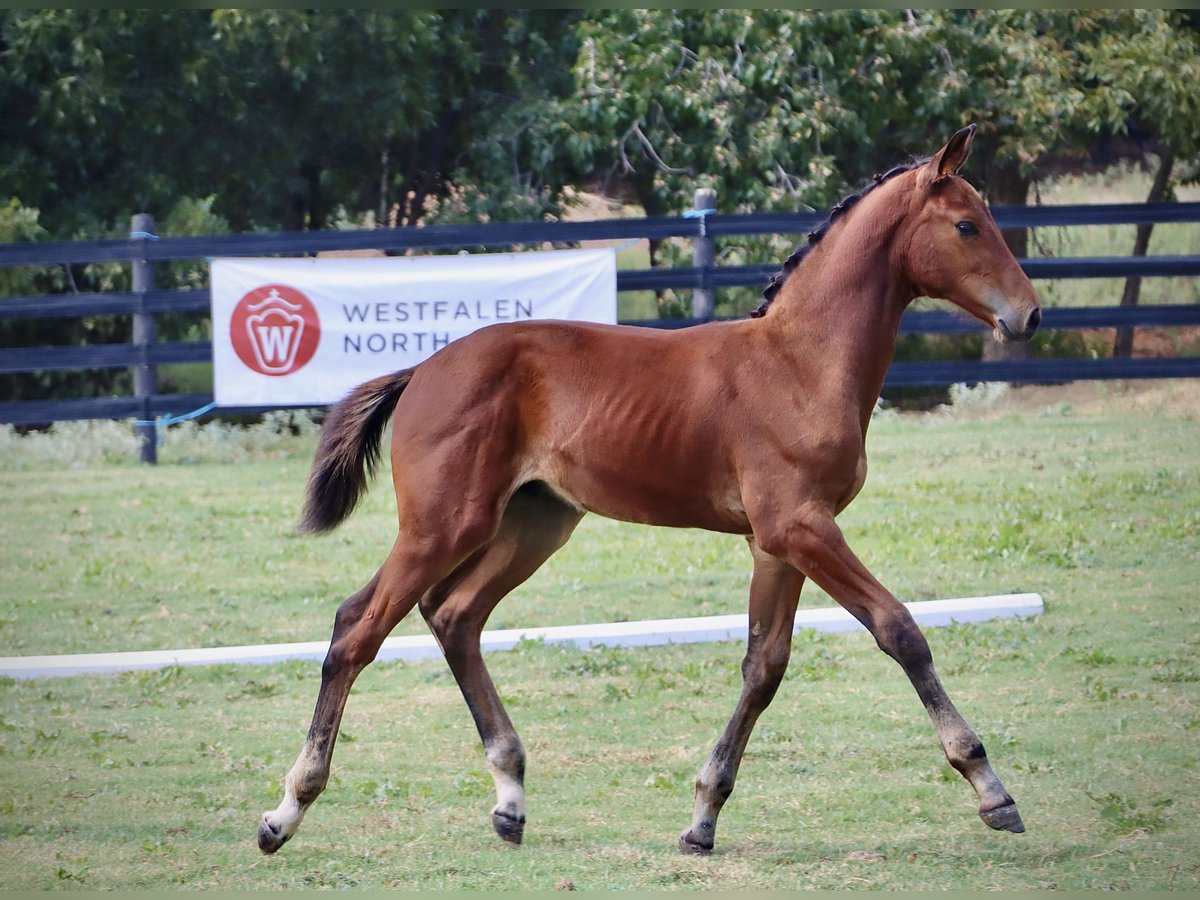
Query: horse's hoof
[
  {"x": 512, "y": 830},
  {"x": 269, "y": 837},
  {"x": 1003, "y": 818},
  {"x": 690, "y": 845}
]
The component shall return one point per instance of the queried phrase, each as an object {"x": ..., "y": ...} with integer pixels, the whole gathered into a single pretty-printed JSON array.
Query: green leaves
[
  {"x": 281, "y": 115},
  {"x": 780, "y": 108},
  {"x": 290, "y": 118}
]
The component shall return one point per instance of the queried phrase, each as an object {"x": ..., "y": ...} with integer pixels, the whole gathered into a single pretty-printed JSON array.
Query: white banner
[{"x": 306, "y": 331}]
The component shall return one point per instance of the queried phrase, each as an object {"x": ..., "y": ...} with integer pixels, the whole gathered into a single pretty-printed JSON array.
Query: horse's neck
[{"x": 843, "y": 304}]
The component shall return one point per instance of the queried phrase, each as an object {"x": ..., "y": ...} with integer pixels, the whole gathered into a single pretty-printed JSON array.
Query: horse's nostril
[{"x": 1035, "y": 319}]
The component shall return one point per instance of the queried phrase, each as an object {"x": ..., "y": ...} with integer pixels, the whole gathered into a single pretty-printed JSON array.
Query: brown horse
[{"x": 504, "y": 439}]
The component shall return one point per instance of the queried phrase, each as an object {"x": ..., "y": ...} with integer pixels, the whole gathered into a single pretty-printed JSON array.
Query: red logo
[{"x": 275, "y": 329}]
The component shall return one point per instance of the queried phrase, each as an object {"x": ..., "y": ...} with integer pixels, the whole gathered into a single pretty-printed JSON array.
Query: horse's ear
[{"x": 950, "y": 159}]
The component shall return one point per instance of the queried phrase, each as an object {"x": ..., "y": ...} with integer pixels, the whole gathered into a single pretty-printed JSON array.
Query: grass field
[{"x": 1091, "y": 712}]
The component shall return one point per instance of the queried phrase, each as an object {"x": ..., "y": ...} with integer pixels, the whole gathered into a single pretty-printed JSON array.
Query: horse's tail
[{"x": 348, "y": 451}]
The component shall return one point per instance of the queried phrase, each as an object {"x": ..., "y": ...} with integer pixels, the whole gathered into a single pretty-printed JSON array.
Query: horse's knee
[
  {"x": 333, "y": 664},
  {"x": 348, "y": 654}
]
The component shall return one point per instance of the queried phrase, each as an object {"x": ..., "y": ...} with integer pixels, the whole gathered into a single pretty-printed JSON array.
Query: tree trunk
[
  {"x": 1159, "y": 191},
  {"x": 382, "y": 213},
  {"x": 1006, "y": 185},
  {"x": 643, "y": 188}
]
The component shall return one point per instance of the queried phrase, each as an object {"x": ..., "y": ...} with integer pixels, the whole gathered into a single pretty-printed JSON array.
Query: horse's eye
[{"x": 967, "y": 228}]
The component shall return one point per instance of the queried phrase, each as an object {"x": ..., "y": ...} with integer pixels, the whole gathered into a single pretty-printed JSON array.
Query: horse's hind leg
[
  {"x": 359, "y": 629},
  {"x": 774, "y": 591},
  {"x": 534, "y": 525}
]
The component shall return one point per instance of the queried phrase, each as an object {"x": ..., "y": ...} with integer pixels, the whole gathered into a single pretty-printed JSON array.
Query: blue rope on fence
[
  {"x": 161, "y": 424},
  {"x": 144, "y": 235},
  {"x": 702, "y": 215}
]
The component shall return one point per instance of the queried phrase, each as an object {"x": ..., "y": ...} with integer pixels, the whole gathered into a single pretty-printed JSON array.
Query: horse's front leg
[
  {"x": 814, "y": 544},
  {"x": 774, "y": 592}
]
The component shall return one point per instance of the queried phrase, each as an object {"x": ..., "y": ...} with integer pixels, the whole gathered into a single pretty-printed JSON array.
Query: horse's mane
[{"x": 814, "y": 237}]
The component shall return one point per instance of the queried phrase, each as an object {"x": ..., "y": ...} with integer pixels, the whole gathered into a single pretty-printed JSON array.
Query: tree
[
  {"x": 284, "y": 116},
  {"x": 1145, "y": 73},
  {"x": 94, "y": 114},
  {"x": 1009, "y": 71},
  {"x": 752, "y": 103},
  {"x": 1051, "y": 83},
  {"x": 377, "y": 110},
  {"x": 19, "y": 223},
  {"x": 775, "y": 109},
  {"x": 307, "y": 118}
]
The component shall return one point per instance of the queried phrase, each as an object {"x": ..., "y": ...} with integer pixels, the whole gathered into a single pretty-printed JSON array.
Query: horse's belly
[{"x": 659, "y": 498}]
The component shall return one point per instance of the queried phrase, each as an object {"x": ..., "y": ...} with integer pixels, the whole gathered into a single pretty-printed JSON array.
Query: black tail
[{"x": 348, "y": 451}]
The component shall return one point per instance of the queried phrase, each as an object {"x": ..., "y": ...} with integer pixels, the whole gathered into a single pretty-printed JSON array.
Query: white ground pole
[{"x": 648, "y": 633}]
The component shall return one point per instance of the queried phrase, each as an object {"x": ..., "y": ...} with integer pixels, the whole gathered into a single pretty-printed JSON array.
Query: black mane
[{"x": 814, "y": 237}]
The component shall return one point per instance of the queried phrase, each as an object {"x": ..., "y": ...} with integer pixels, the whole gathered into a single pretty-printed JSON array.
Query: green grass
[{"x": 1091, "y": 712}]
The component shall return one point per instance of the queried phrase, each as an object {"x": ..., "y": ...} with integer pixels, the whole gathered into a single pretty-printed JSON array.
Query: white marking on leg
[
  {"x": 286, "y": 817},
  {"x": 510, "y": 793}
]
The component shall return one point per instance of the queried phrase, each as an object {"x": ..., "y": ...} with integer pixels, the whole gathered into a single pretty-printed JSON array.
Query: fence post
[
  {"x": 703, "y": 255},
  {"x": 145, "y": 376}
]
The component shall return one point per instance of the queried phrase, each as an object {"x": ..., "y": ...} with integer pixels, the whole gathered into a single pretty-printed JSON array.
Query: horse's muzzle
[{"x": 1005, "y": 332}]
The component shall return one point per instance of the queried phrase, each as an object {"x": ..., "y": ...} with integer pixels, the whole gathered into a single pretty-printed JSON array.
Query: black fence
[{"x": 143, "y": 249}]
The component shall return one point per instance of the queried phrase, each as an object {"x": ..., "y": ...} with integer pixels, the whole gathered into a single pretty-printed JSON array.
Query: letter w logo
[
  {"x": 273, "y": 341},
  {"x": 275, "y": 336}
]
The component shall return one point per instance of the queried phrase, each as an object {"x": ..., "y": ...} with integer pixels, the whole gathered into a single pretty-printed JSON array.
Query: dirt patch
[{"x": 1159, "y": 342}]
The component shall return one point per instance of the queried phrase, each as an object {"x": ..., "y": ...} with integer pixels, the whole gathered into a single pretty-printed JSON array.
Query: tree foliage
[
  {"x": 284, "y": 116},
  {"x": 301, "y": 118},
  {"x": 779, "y": 107}
]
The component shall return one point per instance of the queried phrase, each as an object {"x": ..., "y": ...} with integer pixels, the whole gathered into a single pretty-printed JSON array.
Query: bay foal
[{"x": 504, "y": 439}]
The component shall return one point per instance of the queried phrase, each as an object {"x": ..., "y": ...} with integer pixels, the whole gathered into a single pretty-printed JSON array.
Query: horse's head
[{"x": 955, "y": 251}]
